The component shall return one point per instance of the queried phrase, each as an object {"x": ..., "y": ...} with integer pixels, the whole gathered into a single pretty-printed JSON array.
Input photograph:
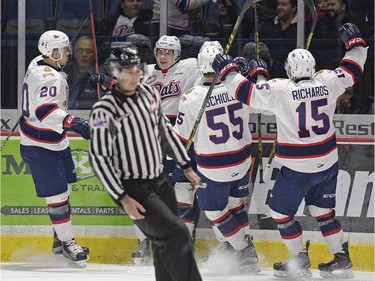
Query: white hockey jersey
[
  {"x": 304, "y": 109},
  {"x": 44, "y": 101},
  {"x": 222, "y": 141},
  {"x": 172, "y": 83}
]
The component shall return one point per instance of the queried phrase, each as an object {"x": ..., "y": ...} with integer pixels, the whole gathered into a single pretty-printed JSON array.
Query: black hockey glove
[
  {"x": 224, "y": 64},
  {"x": 351, "y": 36},
  {"x": 104, "y": 80},
  {"x": 257, "y": 67},
  {"x": 243, "y": 66},
  {"x": 77, "y": 125}
]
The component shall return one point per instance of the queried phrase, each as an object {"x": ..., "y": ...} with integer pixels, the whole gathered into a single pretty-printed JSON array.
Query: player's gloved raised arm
[
  {"x": 77, "y": 125},
  {"x": 105, "y": 80},
  {"x": 258, "y": 67},
  {"x": 224, "y": 64},
  {"x": 351, "y": 36}
]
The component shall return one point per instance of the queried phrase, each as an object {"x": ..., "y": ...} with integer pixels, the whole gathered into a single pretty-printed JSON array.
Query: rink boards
[{"x": 101, "y": 225}]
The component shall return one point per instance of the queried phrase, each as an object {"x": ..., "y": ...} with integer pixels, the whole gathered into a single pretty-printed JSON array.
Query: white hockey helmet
[
  {"x": 169, "y": 43},
  {"x": 52, "y": 39},
  {"x": 214, "y": 44},
  {"x": 300, "y": 63},
  {"x": 207, "y": 55}
]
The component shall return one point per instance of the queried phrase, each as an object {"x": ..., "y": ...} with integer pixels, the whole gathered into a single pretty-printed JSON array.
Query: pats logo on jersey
[{"x": 171, "y": 90}]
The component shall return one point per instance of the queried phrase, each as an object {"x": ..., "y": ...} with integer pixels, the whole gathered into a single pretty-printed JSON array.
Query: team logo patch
[
  {"x": 47, "y": 69},
  {"x": 151, "y": 79},
  {"x": 99, "y": 123}
]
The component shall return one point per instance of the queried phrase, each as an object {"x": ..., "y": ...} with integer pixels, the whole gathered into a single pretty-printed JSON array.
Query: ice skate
[
  {"x": 142, "y": 256},
  {"x": 223, "y": 247},
  {"x": 248, "y": 258},
  {"x": 73, "y": 252},
  {"x": 339, "y": 267},
  {"x": 296, "y": 268},
  {"x": 57, "y": 247}
]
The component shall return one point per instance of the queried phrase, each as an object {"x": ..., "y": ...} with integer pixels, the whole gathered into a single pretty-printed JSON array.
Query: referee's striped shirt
[{"x": 129, "y": 137}]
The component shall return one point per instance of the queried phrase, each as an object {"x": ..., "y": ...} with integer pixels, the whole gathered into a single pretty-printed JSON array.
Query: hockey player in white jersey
[
  {"x": 222, "y": 146},
  {"x": 304, "y": 106},
  {"x": 171, "y": 77},
  {"x": 44, "y": 144}
]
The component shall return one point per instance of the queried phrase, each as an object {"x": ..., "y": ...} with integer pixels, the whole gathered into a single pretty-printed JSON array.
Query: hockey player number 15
[{"x": 315, "y": 115}]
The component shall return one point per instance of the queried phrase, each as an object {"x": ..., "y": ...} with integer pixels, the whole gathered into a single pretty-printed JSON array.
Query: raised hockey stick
[
  {"x": 311, "y": 6},
  {"x": 245, "y": 7},
  {"x": 260, "y": 145}
]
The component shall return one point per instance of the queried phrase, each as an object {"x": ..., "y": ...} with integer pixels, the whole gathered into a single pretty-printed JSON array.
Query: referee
[{"x": 129, "y": 136}]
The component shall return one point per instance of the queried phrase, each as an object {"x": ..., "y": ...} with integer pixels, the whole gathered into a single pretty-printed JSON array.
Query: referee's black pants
[{"x": 171, "y": 242}]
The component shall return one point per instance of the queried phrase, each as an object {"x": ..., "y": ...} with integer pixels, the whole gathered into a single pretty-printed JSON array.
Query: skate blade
[
  {"x": 338, "y": 274},
  {"x": 301, "y": 275},
  {"x": 251, "y": 268},
  {"x": 79, "y": 264},
  {"x": 146, "y": 261}
]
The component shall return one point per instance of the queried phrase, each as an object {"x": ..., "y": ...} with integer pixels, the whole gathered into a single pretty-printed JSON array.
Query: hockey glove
[
  {"x": 106, "y": 81},
  {"x": 243, "y": 65},
  {"x": 224, "y": 64},
  {"x": 257, "y": 67},
  {"x": 351, "y": 36},
  {"x": 77, "y": 125}
]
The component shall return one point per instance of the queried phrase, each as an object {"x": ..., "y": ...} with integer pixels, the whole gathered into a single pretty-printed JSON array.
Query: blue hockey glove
[
  {"x": 224, "y": 64},
  {"x": 243, "y": 65},
  {"x": 77, "y": 125},
  {"x": 351, "y": 36},
  {"x": 104, "y": 80},
  {"x": 257, "y": 67}
]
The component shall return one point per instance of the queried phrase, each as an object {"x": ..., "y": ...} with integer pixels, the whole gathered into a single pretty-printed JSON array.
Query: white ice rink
[{"x": 55, "y": 268}]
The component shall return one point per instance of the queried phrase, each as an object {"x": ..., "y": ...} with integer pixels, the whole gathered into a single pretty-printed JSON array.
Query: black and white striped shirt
[{"x": 130, "y": 134}]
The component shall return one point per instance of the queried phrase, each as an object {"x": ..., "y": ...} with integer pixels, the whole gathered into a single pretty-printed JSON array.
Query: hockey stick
[
  {"x": 260, "y": 146},
  {"x": 245, "y": 7},
  {"x": 10, "y": 134},
  {"x": 95, "y": 48},
  {"x": 311, "y": 6}
]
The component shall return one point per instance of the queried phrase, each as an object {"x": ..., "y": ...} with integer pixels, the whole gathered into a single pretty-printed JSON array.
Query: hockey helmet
[
  {"x": 207, "y": 55},
  {"x": 248, "y": 51},
  {"x": 142, "y": 42},
  {"x": 300, "y": 63},
  {"x": 125, "y": 57},
  {"x": 169, "y": 43},
  {"x": 214, "y": 44},
  {"x": 52, "y": 39}
]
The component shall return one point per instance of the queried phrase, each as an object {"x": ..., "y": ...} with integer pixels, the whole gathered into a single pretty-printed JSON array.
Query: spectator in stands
[
  {"x": 178, "y": 16},
  {"x": 321, "y": 10},
  {"x": 222, "y": 25},
  {"x": 282, "y": 28},
  {"x": 83, "y": 92},
  {"x": 130, "y": 18}
]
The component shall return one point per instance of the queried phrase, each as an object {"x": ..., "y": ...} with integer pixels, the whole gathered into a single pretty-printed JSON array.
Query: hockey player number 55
[{"x": 315, "y": 115}]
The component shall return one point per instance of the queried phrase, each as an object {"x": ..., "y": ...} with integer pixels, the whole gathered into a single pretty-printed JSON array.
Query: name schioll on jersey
[{"x": 308, "y": 93}]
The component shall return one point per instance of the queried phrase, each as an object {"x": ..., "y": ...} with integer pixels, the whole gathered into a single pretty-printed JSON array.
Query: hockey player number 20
[{"x": 315, "y": 115}]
